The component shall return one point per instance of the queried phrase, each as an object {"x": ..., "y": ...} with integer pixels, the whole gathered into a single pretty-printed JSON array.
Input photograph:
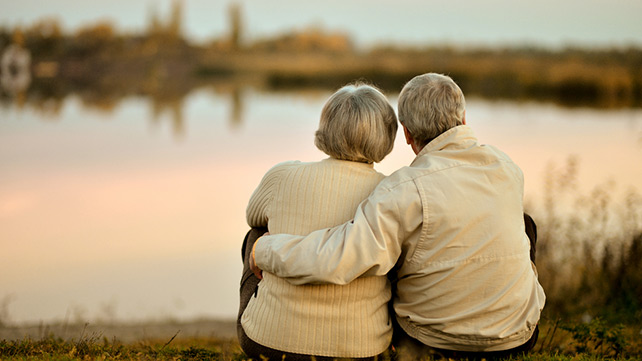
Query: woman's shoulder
[
  {"x": 287, "y": 164},
  {"x": 281, "y": 168}
]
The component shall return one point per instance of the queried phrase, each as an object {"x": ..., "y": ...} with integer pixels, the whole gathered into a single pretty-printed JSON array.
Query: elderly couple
[{"x": 435, "y": 259}]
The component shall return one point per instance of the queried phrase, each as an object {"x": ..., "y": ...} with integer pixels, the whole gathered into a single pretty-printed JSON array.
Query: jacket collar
[{"x": 459, "y": 137}]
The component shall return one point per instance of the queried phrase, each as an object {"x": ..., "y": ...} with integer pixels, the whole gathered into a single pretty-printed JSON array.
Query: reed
[{"x": 589, "y": 251}]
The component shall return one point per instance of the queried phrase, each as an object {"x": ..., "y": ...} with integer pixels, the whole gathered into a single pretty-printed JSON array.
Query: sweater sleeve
[
  {"x": 367, "y": 246},
  {"x": 257, "y": 209}
]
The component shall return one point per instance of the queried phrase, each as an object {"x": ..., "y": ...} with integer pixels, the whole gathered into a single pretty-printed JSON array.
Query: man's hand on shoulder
[{"x": 255, "y": 269}]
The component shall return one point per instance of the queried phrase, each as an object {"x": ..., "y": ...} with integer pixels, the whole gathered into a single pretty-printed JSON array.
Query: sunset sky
[{"x": 554, "y": 23}]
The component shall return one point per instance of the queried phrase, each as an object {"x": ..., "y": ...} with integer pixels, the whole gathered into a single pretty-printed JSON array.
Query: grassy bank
[
  {"x": 93, "y": 348},
  {"x": 558, "y": 341}
]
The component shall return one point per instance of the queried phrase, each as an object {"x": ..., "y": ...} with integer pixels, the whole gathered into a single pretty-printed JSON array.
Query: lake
[{"x": 135, "y": 211}]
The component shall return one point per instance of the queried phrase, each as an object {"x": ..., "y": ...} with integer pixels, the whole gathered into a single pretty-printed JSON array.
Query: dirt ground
[{"x": 123, "y": 332}]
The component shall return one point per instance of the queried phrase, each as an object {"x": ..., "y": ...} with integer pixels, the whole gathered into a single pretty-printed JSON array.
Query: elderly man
[{"x": 451, "y": 230}]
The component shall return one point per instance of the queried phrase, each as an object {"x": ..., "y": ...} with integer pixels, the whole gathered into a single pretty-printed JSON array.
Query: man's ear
[{"x": 409, "y": 139}]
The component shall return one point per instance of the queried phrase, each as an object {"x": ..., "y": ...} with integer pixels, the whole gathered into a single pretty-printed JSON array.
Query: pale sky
[{"x": 601, "y": 23}]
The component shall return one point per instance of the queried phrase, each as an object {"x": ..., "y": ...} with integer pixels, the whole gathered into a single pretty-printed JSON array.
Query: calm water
[{"x": 138, "y": 212}]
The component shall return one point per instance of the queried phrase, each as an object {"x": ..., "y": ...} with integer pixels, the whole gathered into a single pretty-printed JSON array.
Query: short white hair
[
  {"x": 357, "y": 124},
  {"x": 429, "y": 105}
]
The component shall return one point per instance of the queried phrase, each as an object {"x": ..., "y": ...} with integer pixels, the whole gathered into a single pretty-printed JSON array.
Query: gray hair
[
  {"x": 358, "y": 124},
  {"x": 429, "y": 105}
]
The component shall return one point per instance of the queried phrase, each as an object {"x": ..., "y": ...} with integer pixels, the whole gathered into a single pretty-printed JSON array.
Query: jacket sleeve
[{"x": 367, "y": 246}]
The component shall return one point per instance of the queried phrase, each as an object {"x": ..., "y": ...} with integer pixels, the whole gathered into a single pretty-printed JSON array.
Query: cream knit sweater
[{"x": 322, "y": 320}]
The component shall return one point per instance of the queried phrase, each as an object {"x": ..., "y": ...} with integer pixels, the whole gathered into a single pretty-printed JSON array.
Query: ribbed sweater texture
[{"x": 324, "y": 320}]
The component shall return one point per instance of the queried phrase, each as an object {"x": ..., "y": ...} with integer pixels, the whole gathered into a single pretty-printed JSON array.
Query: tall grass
[{"x": 589, "y": 251}]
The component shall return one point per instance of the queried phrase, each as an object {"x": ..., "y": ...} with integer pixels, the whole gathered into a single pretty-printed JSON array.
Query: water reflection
[
  {"x": 236, "y": 116},
  {"x": 175, "y": 109},
  {"x": 102, "y": 211},
  {"x": 167, "y": 105},
  {"x": 127, "y": 159}
]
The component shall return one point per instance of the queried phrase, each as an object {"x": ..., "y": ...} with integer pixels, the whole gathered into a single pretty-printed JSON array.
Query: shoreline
[{"x": 123, "y": 331}]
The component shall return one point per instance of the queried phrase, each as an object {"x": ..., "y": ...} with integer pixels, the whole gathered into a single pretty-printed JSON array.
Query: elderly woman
[{"x": 357, "y": 128}]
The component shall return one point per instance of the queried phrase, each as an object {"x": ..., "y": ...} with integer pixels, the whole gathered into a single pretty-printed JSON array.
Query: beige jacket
[
  {"x": 324, "y": 320},
  {"x": 452, "y": 223}
]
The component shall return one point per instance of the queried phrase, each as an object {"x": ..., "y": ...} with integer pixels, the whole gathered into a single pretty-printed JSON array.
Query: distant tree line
[{"x": 99, "y": 59}]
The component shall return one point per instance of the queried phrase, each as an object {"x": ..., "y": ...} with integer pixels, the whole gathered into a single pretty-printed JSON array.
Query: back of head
[
  {"x": 357, "y": 124},
  {"x": 429, "y": 105}
]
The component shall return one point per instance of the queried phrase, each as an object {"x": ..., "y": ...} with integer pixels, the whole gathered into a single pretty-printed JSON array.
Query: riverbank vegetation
[
  {"x": 589, "y": 250},
  {"x": 101, "y": 65},
  {"x": 558, "y": 341}
]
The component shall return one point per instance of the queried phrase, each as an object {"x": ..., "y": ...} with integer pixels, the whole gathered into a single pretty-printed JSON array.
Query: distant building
[{"x": 15, "y": 72}]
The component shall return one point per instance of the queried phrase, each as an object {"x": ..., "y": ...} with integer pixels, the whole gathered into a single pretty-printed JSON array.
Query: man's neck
[{"x": 416, "y": 148}]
